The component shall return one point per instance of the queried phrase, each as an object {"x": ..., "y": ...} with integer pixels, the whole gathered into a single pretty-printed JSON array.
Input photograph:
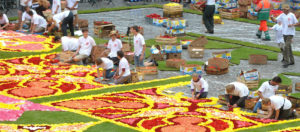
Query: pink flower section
[
  {"x": 28, "y": 47},
  {"x": 8, "y": 114}
]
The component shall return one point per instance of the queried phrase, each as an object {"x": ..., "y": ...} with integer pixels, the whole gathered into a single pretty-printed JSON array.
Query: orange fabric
[
  {"x": 263, "y": 26},
  {"x": 266, "y": 4}
]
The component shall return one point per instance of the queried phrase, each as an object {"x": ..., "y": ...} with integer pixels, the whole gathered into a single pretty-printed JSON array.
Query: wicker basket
[
  {"x": 250, "y": 103},
  {"x": 65, "y": 55},
  {"x": 175, "y": 63},
  {"x": 172, "y": 40},
  {"x": 217, "y": 66},
  {"x": 97, "y": 52},
  {"x": 199, "y": 42},
  {"x": 158, "y": 57},
  {"x": 258, "y": 59},
  {"x": 229, "y": 15}
]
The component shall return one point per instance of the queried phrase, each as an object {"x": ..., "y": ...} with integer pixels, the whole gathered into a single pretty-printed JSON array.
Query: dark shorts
[
  {"x": 202, "y": 95},
  {"x": 22, "y": 8}
]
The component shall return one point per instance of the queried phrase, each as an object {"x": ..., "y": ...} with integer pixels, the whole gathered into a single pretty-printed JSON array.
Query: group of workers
[{"x": 236, "y": 93}]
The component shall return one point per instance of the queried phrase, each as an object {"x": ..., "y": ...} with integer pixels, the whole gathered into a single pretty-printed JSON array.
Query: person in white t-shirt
[
  {"x": 122, "y": 74},
  {"x": 26, "y": 18},
  {"x": 266, "y": 90},
  {"x": 279, "y": 107},
  {"x": 56, "y": 7},
  {"x": 86, "y": 44},
  {"x": 38, "y": 23},
  {"x": 107, "y": 65},
  {"x": 279, "y": 36},
  {"x": 199, "y": 87},
  {"x": 68, "y": 43},
  {"x": 61, "y": 21},
  {"x": 139, "y": 46},
  {"x": 22, "y": 7},
  {"x": 236, "y": 93},
  {"x": 289, "y": 21},
  {"x": 4, "y": 22},
  {"x": 72, "y": 5},
  {"x": 114, "y": 45}
]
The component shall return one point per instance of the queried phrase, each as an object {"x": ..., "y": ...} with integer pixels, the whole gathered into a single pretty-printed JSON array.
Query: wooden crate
[
  {"x": 171, "y": 40},
  {"x": 149, "y": 70},
  {"x": 244, "y": 2},
  {"x": 295, "y": 101},
  {"x": 134, "y": 77},
  {"x": 199, "y": 42},
  {"x": 98, "y": 52},
  {"x": 174, "y": 56},
  {"x": 195, "y": 52},
  {"x": 297, "y": 86},
  {"x": 258, "y": 59},
  {"x": 176, "y": 63},
  {"x": 284, "y": 89},
  {"x": 250, "y": 84},
  {"x": 158, "y": 57},
  {"x": 250, "y": 103},
  {"x": 103, "y": 31},
  {"x": 129, "y": 56},
  {"x": 229, "y": 15},
  {"x": 217, "y": 66},
  {"x": 126, "y": 47}
]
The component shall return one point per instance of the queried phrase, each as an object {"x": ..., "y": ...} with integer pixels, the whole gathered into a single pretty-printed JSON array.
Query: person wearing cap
[
  {"x": 114, "y": 45},
  {"x": 139, "y": 46},
  {"x": 199, "y": 87},
  {"x": 266, "y": 90},
  {"x": 236, "y": 93},
  {"x": 68, "y": 43},
  {"x": 263, "y": 9},
  {"x": 279, "y": 107},
  {"x": 61, "y": 21},
  {"x": 86, "y": 44},
  {"x": 288, "y": 21},
  {"x": 4, "y": 22}
]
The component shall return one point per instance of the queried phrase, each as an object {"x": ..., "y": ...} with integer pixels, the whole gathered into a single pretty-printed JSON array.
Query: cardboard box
[
  {"x": 190, "y": 69},
  {"x": 174, "y": 56},
  {"x": 176, "y": 63},
  {"x": 251, "y": 84},
  {"x": 222, "y": 54},
  {"x": 149, "y": 70},
  {"x": 196, "y": 52},
  {"x": 166, "y": 40},
  {"x": 258, "y": 59},
  {"x": 217, "y": 66}
]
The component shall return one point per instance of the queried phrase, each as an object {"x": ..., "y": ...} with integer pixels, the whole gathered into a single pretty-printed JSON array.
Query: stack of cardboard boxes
[{"x": 196, "y": 48}]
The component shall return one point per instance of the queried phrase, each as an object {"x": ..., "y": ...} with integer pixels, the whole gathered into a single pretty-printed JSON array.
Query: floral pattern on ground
[
  {"x": 39, "y": 76},
  {"x": 11, "y": 109},
  {"x": 20, "y": 42},
  {"x": 150, "y": 110}
]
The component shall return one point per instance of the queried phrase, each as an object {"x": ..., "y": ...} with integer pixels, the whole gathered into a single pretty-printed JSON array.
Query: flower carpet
[{"x": 19, "y": 42}]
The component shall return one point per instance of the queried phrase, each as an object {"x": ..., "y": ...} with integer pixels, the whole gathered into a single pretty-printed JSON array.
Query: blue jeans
[
  {"x": 138, "y": 62},
  {"x": 109, "y": 74},
  {"x": 257, "y": 105}
]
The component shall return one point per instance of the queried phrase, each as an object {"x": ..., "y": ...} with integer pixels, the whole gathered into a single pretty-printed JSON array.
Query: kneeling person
[
  {"x": 68, "y": 43},
  {"x": 38, "y": 23},
  {"x": 279, "y": 107},
  {"x": 199, "y": 87},
  {"x": 238, "y": 92},
  {"x": 86, "y": 44},
  {"x": 107, "y": 65},
  {"x": 123, "y": 71},
  {"x": 4, "y": 22}
]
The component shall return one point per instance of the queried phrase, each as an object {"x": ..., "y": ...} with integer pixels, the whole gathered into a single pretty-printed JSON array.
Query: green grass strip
[
  {"x": 273, "y": 127},
  {"x": 109, "y": 127},
  {"x": 296, "y": 95},
  {"x": 248, "y": 44},
  {"x": 291, "y": 73},
  {"x": 49, "y": 117},
  {"x": 244, "y": 52},
  {"x": 6, "y": 55},
  {"x": 112, "y": 89}
]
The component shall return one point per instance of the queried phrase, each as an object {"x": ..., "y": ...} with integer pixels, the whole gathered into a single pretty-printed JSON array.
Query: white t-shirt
[
  {"x": 107, "y": 64},
  {"x": 22, "y": 3},
  {"x": 267, "y": 89},
  {"x": 286, "y": 20},
  {"x": 124, "y": 64},
  {"x": 86, "y": 45},
  {"x": 69, "y": 43},
  {"x": 240, "y": 90},
  {"x": 39, "y": 21},
  {"x": 210, "y": 2},
  {"x": 114, "y": 47},
  {"x": 4, "y": 19},
  {"x": 54, "y": 6},
  {"x": 279, "y": 36},
  {"x": 138, "y": 42},
  {"x": 277, "y": 102},
  {"x": 59, "y": 17},
  {"x": 197, "y": 85},
  {"x": 71, "y": 3},
  {"x": 25, "y": 15}
]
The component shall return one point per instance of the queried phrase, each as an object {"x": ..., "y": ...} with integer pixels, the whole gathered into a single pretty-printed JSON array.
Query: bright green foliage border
[
  {"x": 109, "y": 127},
  {"x": 163, "y": 67},
  {"x": 273, "y": 127},
  {"x": 112, "y": 89}
]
